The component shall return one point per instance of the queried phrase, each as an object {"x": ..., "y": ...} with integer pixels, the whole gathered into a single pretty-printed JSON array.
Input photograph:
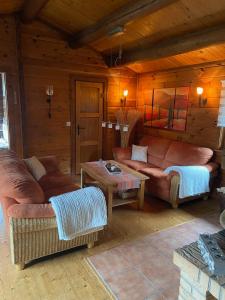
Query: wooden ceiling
[
  {"x": 148, "y": 26},
  {"x": 10, "y": 6}
]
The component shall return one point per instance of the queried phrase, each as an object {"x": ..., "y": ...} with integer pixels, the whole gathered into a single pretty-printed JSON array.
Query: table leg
[
  {"x": 82, "y": 178},
  {"x": 109, "y": 204},
  {"x": 141, "y": 195}
]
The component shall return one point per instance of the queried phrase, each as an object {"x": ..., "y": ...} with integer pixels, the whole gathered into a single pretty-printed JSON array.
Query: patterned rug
[{"x": 143, "y": 269}]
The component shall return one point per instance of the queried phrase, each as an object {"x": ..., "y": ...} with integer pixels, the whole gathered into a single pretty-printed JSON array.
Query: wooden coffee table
[{"x": 109, "y": 185}]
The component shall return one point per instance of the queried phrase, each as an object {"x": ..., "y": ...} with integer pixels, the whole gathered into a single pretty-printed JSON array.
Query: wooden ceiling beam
[
  {"x": 31, "y": 9},
  {"x": 170, "y": 47},
  {"x": 116, "y": 21}
]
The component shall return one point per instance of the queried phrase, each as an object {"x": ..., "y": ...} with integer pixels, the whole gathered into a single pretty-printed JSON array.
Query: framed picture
[{"x": 168, "y": 108}]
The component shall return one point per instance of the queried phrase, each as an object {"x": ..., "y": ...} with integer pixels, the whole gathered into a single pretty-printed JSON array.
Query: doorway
[{"x": 87, "y": 116}]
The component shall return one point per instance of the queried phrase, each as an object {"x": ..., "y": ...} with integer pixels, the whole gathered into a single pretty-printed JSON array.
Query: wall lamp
[
  {"x": 202, "y": 101},
  {"x": 49, "y": 93},
  {"x": 124, "y": 99}
]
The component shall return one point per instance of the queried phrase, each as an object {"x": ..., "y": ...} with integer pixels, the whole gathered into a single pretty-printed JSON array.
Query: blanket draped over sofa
[
  {"x": 79, "y": 212},
  {"x": 194, "y": 180},
  {"x": 164, "y": 153}
]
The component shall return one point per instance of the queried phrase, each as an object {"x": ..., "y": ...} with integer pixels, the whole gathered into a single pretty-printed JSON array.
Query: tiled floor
[{"x": 143, "y": 269}]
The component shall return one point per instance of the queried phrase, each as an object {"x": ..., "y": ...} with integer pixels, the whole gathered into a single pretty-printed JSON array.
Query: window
[{"x": 4, "y": 131}]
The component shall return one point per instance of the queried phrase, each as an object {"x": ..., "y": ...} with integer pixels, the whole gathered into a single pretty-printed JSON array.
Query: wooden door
[{"x": 88, "y": 122}]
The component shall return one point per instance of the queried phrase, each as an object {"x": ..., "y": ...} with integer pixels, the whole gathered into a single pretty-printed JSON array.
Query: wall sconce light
[
  {"x": 124, "y": 99},
  {"x": 49, "y": 93},
  {"x": 202, "y": 101}
]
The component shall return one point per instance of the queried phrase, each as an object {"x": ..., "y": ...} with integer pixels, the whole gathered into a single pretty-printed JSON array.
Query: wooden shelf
[{"x": 118, "y": 202}]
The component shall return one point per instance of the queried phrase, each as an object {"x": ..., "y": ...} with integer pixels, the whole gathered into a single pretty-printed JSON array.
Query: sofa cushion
[
  {"x": 54, "y": 180},
  {"x": 136, "y": 165},
  {"x": 158, "y": 183},
  {"x": 184, "y": 154},
  {"x": 55, "y": 191},
  {"x": 139, "y": 153},
  {"x": 157, "y": 149},
  {"x": 35, "y": 167},
  {"x": 16, "y": 182}
]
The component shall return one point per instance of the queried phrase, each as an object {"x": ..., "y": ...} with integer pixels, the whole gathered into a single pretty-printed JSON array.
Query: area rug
[{"x": 143, "y": 269}]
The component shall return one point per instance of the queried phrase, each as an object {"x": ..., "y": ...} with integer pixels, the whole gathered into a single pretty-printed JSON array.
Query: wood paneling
[
  {"x": 47, "y": 60},
  {"x": 178, "y": 18},
  {"x": 209, "y": 54},
  {"x": 75, "y": 15},
  {"x": 31, "y": 9},
  {"x": 9, "y": 65},
  {"x": 117, "y": 20},
  {"x": 201, "y": 121},
  {"x": 10, "y": 6}
]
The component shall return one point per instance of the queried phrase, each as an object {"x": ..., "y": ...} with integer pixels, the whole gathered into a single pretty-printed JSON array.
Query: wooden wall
[
  {"x": 201, "y": 121},
  {"x": 9, "y": 64},
  {"x": 47, "y": 60}
]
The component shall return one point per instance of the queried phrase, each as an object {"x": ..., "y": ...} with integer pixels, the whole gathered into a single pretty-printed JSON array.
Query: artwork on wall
[{"x": 167, "y": 108}]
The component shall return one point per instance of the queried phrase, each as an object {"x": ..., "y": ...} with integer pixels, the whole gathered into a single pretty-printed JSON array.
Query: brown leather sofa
[
  {"x": 30, "y": 217},
  {"x": 163, "y": 153}
]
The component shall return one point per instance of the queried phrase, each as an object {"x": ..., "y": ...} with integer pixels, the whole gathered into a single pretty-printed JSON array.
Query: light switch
[{"x": 68, "y": 124}]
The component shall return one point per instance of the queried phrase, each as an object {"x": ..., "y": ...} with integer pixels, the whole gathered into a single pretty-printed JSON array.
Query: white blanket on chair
[
  {"x": 194, "y": 180},
  {"x": 79, "y": 212}
]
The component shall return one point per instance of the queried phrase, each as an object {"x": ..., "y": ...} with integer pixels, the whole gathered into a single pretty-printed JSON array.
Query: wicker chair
[
  {"x": 34, "y": 238},
  {"x": 29, "y": 217}
]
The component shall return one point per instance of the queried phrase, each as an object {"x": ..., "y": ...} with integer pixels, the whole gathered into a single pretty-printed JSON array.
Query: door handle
[{"x": 79, "y": 128}]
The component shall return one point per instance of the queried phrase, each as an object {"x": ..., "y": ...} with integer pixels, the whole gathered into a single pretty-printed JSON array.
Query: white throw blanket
[
  {"x": 79, "y": 212},
  {"x": 194, "y": 180}
]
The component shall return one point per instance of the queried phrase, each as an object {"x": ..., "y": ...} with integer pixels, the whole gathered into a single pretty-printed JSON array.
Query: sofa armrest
[
  {"x": 30, "y": 211},
  {"x": 50, "y": 163},
  {"x": 213, "y": 168},
  {"x": 120, "y": 154}
]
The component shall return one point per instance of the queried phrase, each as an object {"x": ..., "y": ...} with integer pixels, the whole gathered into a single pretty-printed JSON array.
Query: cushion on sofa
[
  {"x": 136, "y": 165},
  {"x": 139, "y": 153},
  {"x": 185, "y": 154},
  {"x": 157, "y": 149},
  {"x": 55, "y": 191},
  {"x": 16, "y": 182},
  {"x": 158, "y": 183},
  {"x": 54, "y": 180},
  {"x": 35, "y": 167}
]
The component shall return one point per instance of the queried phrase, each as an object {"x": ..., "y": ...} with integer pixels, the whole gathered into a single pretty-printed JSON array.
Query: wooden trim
[
  {"x": 212, "y": 64},
  {"x": 172, "y": 46},
  {"x": 119, "y": 18},
  {"x": 73, "y": 79},
  {"x": 31, "y": 9}
]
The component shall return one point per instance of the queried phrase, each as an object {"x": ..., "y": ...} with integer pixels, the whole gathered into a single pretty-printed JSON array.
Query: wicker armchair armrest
[{"x": 30, "y": 211}]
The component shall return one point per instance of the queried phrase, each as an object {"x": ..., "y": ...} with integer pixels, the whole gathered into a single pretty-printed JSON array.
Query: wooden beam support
[
  {"x": 31, "y": 9},
  {"x": 170, "y": 47},
  {"x": 119, "y": 18}
]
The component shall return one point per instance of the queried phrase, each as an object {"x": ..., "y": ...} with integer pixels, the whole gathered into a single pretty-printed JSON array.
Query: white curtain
[{"x": 221, "y": 114}]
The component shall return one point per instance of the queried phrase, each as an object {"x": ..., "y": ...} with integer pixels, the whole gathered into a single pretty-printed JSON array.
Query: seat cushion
[
  {"x": 158, "y": 184},
  {"x": 184, "y": 154},
  {"x": 136, "y": 164},
  {"x": 55, "y": 191},
  {"x": 54, "y": 180}
]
